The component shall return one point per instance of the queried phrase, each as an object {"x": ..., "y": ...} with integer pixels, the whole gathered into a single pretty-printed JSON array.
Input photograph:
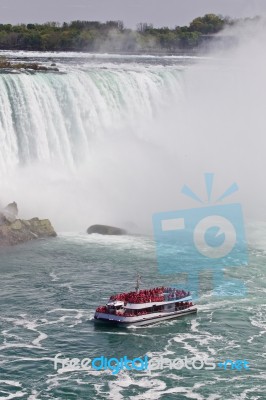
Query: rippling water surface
[{"x": 48, "y": 293}]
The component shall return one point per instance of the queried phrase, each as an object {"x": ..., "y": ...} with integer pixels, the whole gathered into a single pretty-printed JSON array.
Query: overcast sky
[{"x": 159, "y": 12}]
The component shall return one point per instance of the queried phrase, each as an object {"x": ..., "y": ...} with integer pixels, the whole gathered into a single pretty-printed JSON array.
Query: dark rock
[
  {"x": 41, "y": 68},
  {"x": 106, "y": 230},
  {"x": 10, "y": 212}
]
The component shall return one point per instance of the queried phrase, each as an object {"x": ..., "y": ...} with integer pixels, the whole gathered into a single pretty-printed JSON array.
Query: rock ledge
[
  {"x": 14, "y": 231},
  {"x": 106, "y": 230}
]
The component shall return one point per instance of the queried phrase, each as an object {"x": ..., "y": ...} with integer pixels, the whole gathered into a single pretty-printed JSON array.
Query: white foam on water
[
  {"x": 34, "y": 395},
  {"x": 258, "y": 320},
  {"x": 194, "y": 325},
  {"x": 11, "y": 383},
  {"x": 18, "y": 346},
  {"x": 67, "y": 285},
  {"x": 125, "y": 380},
  {"x": 231, "y": 379},
  {"x": 154, "y": 387},
  {"x": 39, "y": 339},
  {"x": 78, "y": 319},
  {"x": 21, "y": 358},
  {"x": 6, "y": 334},
  {"x": 100, "y": 391},
  {"x": 31, "y": 325},
  {"x": 15, "y": 395},
  {"x": 26, "y": 323},
  {"x": 201, "y": 339},
  {"x": 123, "y": 242},
  {"x": 75, "y": 316},
  {"x": 69, "y": 371},
  {"x": 63, "y": 310},
  {"x": 245, "y": 394},
  {"x": 117, "y": 333},
  {"x": 54, "y": 276},
  {"x": 54, "y": 381}
]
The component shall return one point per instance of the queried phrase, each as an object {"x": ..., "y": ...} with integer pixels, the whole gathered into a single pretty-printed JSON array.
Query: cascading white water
[
  {"x": 86, "y": 137},
  {"x": 57, "y": 117},
  {"x": 113, "y": 142}
]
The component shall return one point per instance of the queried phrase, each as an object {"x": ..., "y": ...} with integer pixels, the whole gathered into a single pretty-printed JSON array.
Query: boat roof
[{"x": 115, "y": 303}]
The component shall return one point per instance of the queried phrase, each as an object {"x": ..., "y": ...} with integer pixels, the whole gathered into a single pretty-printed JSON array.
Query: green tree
[{"x": 210, "y": 23}]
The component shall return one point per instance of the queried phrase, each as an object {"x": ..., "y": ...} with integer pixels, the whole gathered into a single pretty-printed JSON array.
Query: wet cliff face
[{"x": 14, "y": 231}]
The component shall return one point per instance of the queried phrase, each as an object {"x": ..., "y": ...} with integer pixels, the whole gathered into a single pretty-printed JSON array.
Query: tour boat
[{"x": 145, "y": 307}]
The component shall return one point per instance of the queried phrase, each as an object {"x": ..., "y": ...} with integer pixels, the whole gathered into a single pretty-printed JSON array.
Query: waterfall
[
  {"x": 109, "y": 141},
  {"x": 47, "y": 117}
]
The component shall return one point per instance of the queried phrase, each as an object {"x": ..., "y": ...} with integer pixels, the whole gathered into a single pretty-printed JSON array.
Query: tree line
[{"x": 111, "y": 36}]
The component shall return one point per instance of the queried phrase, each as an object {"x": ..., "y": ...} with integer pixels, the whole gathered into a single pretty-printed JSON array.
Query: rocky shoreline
[
  {"x": 14, "y": 231},
  {"x": 6, "y": 66}
]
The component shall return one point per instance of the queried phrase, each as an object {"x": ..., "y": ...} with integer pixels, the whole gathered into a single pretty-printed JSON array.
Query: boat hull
[{"x": 143, "y": 320}]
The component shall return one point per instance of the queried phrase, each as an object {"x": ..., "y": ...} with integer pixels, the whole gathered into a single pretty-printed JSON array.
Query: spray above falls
[{"x": 112, "y": 142}]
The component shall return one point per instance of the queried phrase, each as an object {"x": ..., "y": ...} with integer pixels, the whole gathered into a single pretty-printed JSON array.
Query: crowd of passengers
[{"x": 151, "y": 295}]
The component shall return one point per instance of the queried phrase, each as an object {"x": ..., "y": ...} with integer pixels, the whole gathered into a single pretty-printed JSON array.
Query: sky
[{"x": 159, "y": 12}]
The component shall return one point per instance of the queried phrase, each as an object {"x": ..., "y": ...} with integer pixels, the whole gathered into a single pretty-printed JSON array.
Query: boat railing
[{"x": 127, "y": 313}]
